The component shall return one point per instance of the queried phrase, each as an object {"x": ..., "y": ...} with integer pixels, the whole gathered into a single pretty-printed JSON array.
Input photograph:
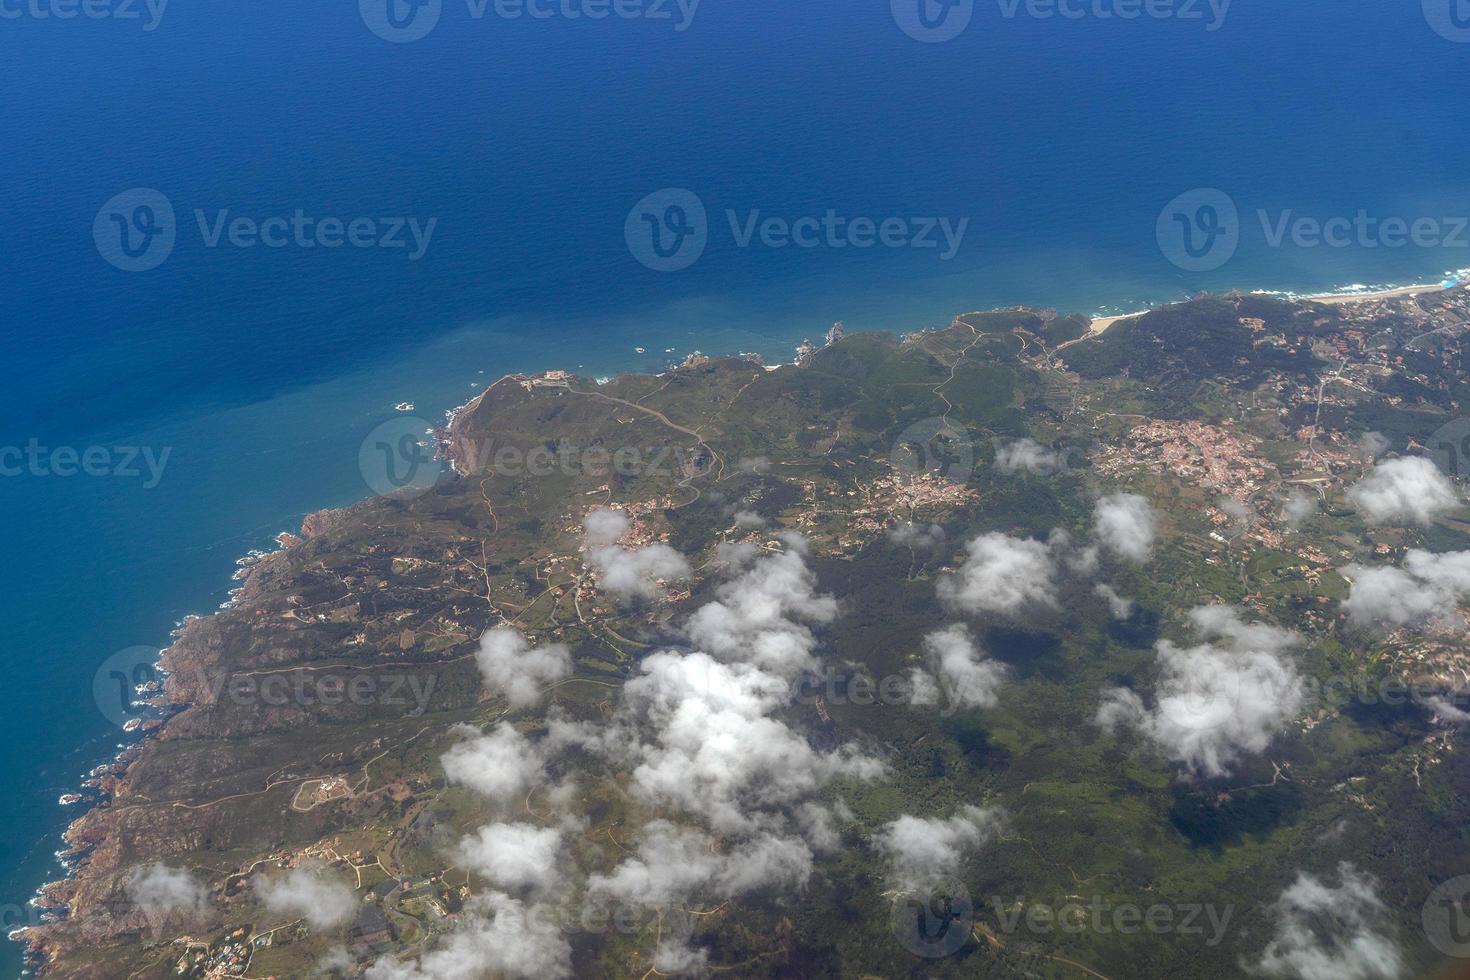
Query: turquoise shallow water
[{"x": 260, "y": 370}]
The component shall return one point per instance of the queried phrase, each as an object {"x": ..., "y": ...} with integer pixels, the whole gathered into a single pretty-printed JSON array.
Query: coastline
[
  {"x": 69, "y": 858},
  {"x": 1100, "y": 325}
]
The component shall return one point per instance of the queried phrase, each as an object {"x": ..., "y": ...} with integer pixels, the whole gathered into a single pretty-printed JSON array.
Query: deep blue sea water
[{"x": 528, "y": 141}]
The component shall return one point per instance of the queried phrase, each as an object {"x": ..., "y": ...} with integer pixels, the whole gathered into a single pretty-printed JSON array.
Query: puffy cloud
[
  {"x": 1428, "y": 589},
  {"x": 921, "y": 851},
  {"x": 749, "y": 520},
  {"x": 733, "y": 556},
  {"x": 1327, "y": 933},
  {"x": 1126, "y": 526},
  {"x": 672, "y": 863},
  {"x": 1081, "y": 561},
  {"x": 625, "y": 573},
  {"x": 923, "y": 688},
  {"x": 1219, "y": 700},
  {"x": 1372, "y": 445},
  {"x": 758, "y": 617},
  {"x": 968, "y": 676},
  {"x": 637, "y": 574},
  {"x": 917, "y": 536},
  {"x": 604, "y": 526},
  {"x": 157, "y": 890},
  {"x": 1407, "y": 489},
  {"x": 675, "y": 958},
  {"x": 1239, "y": 511},
  {"x": 1447, "y": 710},
  {"x": 819, "y": 824},
  {"x": 1298, "y": 507},
  {"x": 515, "y": 856},
  {"x": 510, "y": 666},
  {"x": 1028, "y": 456},
  {"x": 1002, "y": 575},
  {"x": 310, "y": 893},
  {"x": 1120, "y": 607},
  {"x": 499, "y": 935},
  {"x": 499, "y": 765},
  {"x": 712, "y": 748}
]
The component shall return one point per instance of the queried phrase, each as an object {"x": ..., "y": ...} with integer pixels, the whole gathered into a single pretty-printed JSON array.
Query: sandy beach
[
  {"x": 1101, "y": 324},
  {"x": 1339, "y": 298}
]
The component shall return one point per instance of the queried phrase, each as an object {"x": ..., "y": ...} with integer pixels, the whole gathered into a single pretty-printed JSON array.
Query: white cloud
[
  {"x": 515, "y": 856},
  {"x": 733, "y": 556},
  {"x": 1409, "y": 489},
  {"x": 819, "y": 824},
  {"x": 757, "y": 618},
  {"x": 603, "y": 527},
  {"x": 157, "y": 889},
  {"x": 1002, "y": 575},
  {"x": 1120, "y": 607},
  {"x": 1447, "y": 711},
  {"x": 921, "y": 851},
  {"x": 923, "y": 688},
  {"x": 1126, "y": 526},
  {"x": 1326, "y": 933},
  {"x": 1298, "y": 507},
  {"x": 1428, "y": 589},
  {"x": 1028, "y": 456},
  {"x": 637, "y": 573},
  {"x": 1219, "y": 700},
  {"x": 499, "y": 765},
  {"x": 712, "y": 748},
  {"x": 510, "y": 666},
  {"x": 628, "y": 573},
  {"x": 749, "y": 520},
  {"x": 676, "y": 958},
  {"x": 673, "y": 863},
  {"x": 1373, "y": 445},
  {"x": 968, "y": 676},
  {"x": 917, "y": 536},
  {"x": 498, "y": 935},
  {"x": 310, "y": 893}
]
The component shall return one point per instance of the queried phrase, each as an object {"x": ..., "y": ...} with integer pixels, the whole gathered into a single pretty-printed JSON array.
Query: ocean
[{"x": 362, "y": 216}]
